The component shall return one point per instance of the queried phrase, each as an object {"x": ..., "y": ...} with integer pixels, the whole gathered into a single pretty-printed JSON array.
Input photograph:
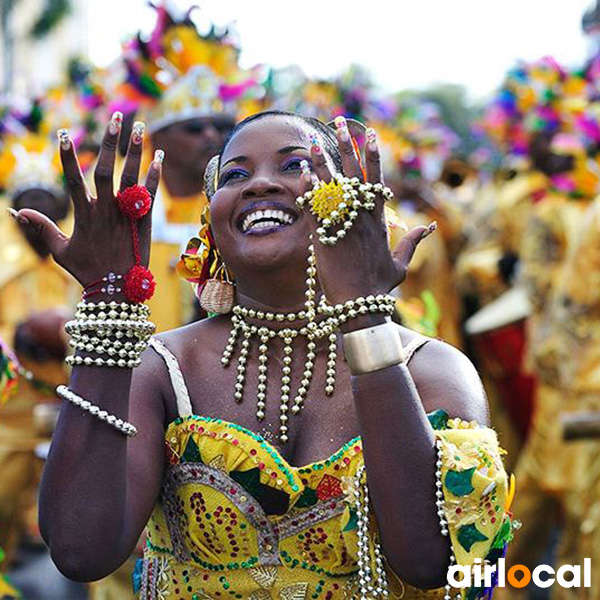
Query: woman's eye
[
  {"x": 232, "y": 175},
  {"x": 293, "y": 164}
]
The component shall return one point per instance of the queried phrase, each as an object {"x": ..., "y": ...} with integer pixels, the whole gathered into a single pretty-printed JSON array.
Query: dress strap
[
  {"x": 415, "y": 344},
  {"x": 184, "y": 406}
]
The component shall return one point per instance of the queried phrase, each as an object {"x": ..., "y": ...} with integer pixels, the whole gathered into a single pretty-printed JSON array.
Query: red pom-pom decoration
[
  {"x": 134, "y": 202},
  {"x": 139, "y": 284}
]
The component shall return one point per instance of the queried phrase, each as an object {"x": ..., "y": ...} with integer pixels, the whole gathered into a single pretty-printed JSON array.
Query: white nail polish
[
  {"x": 371, "y": 138},
  {"x": 159, "y": 156},
  {"x": 63, "y": 138},
  {"x": 137, "y": 134},
  {"x": 115, "y": 123}
]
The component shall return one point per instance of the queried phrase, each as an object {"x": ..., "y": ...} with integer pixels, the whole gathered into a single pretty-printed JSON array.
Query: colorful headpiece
[
  {"x": 28, "y": 157},
  {"x": 178, "y": 74}
]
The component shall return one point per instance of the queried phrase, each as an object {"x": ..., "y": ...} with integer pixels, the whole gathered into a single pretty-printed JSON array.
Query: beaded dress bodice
[{"x": 236, "y": 520}]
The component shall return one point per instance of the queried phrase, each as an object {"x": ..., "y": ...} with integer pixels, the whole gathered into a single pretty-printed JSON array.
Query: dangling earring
[{"x": 218, "y": 293}]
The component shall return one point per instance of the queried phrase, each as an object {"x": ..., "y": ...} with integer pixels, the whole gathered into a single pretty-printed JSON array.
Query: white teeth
[{"x": 262, "y": 219}]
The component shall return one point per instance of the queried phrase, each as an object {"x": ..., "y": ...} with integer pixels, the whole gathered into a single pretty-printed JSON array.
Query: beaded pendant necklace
[{"x": 318, "y": 321}]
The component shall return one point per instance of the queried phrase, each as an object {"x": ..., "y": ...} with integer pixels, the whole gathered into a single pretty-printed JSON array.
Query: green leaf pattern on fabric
[
  {"x": 469, "y": 535},
  {"x": 460, "y": 483}
]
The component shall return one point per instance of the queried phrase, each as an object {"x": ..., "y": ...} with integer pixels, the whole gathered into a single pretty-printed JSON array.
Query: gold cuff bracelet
[{"x": 373, "y": 348}]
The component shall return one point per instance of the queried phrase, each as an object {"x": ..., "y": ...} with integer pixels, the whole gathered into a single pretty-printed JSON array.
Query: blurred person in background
[
  {"x": 550, "y": 470},
  {"x": 36, "y": 298},
  {"x": 190, "y": 103}
]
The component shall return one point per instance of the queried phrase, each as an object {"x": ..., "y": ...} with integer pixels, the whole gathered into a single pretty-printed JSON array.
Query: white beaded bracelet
[
  {"x": 439, "y": 501},
  {"x": 123, "y": 426},
  {"x": 88, "y": 361}
]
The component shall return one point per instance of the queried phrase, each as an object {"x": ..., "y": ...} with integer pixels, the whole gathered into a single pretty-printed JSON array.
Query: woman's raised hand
[
  {"x": 101, "y": 241},
  {"x": 361, "y": 263}
]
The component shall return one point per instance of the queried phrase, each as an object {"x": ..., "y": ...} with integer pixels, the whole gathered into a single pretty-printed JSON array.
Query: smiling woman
[{"x": 262, "y": 493}]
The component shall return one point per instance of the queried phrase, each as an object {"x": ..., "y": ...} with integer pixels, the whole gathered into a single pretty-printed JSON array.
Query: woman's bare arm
[
  {"x": 400, "y": 453},
  {"x": 99, "y": 486}
]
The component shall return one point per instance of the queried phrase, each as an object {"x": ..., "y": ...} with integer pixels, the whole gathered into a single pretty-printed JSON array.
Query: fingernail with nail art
[
  {"x": 304, "y": 167},
  {"x": 316, "y": 145},
  {"x": 430, "y": 229},
  {"x": 116, "y": 120},
  {"x": 342, "y": 127},
  {"x": 22, "y": 219},
  {"x": 159, "y": 156},
  {"x": 137, "y": 132},
  {"x": 371, "y": 138},
  {"x": 63, "y": 138}
]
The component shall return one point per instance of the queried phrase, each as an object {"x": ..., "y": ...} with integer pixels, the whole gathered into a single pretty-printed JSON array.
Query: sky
[{"x": 405, "y": 44}]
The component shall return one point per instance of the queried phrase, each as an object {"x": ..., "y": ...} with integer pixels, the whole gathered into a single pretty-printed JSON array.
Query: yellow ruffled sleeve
[{"x": 476, "y": 492}]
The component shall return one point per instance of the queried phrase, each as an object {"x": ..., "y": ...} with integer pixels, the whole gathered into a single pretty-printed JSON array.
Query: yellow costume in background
[
  {"x": 476, "y": 273},
  {"x": 430, "y": 271},
  {"x": 28, "y": 284},
  {"x": 478, "y": 279},
  {"x": 236, "y": 519},
  {"x": 515, "y": 200},
  {"x": 577, "y": 315},
  {"x": 548, "y": 467}
]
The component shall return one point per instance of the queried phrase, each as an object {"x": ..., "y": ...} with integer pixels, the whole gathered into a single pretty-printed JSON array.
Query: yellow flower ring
[{"x": 329, "y": 201}]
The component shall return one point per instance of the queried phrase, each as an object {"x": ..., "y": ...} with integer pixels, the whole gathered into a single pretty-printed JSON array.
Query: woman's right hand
[{"x": 101, "y": 241}]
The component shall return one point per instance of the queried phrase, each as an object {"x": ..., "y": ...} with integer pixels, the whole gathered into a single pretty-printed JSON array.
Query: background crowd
[{"x": 512, "y": 277}]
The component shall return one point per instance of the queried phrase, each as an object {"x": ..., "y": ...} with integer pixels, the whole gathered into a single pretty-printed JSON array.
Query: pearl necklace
[{"x": 330, "y": 319}]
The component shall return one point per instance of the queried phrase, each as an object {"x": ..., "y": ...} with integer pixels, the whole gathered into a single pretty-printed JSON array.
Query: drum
[{"x": 498, "y": 336}]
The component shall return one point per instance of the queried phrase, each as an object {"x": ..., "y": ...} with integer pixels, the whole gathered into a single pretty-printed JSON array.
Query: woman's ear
[{"x": 211, "y": 176}]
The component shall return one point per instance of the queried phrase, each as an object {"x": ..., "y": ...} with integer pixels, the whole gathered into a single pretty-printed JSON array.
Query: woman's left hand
[{"x": 361, "y": 263}]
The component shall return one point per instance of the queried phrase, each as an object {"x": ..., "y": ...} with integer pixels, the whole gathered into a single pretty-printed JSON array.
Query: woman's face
[{"x": 255, "y": 220}]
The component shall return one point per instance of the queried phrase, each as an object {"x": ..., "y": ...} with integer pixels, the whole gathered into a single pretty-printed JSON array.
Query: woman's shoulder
[
  {"x": 200, "y": 336},
  {"x": 447, "y": 379}
]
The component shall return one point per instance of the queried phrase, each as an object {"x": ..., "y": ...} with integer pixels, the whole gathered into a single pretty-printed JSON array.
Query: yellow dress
[{"x": 235, "y": 519}]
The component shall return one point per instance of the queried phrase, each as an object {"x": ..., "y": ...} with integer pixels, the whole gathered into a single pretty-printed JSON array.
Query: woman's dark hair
[{"x": 327, "y": 134}]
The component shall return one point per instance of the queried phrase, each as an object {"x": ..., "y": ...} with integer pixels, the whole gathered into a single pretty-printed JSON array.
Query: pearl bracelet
[
  {"x": 136, "y": 327},
  {"x": 118, "y": 332},
  {"x": 123, "y": 306},
  {"x": 88, "y": 361},
  {"x": 123, "y": 426}
]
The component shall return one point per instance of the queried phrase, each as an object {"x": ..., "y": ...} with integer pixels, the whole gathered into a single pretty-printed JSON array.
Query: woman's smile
[{"x": 264, "y": 217}]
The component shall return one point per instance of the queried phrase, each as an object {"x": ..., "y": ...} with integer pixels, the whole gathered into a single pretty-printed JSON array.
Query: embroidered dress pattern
[{"x": 236, "y": 520}]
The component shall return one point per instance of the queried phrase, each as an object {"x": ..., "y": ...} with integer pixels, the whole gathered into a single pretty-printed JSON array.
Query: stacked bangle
[
  {"x": 116, "y": 332},
  {"x": 123, "y": 426}
]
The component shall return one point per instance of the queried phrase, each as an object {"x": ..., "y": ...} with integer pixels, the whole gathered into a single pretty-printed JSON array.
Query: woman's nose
[{"x": 261, "y": 185}]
